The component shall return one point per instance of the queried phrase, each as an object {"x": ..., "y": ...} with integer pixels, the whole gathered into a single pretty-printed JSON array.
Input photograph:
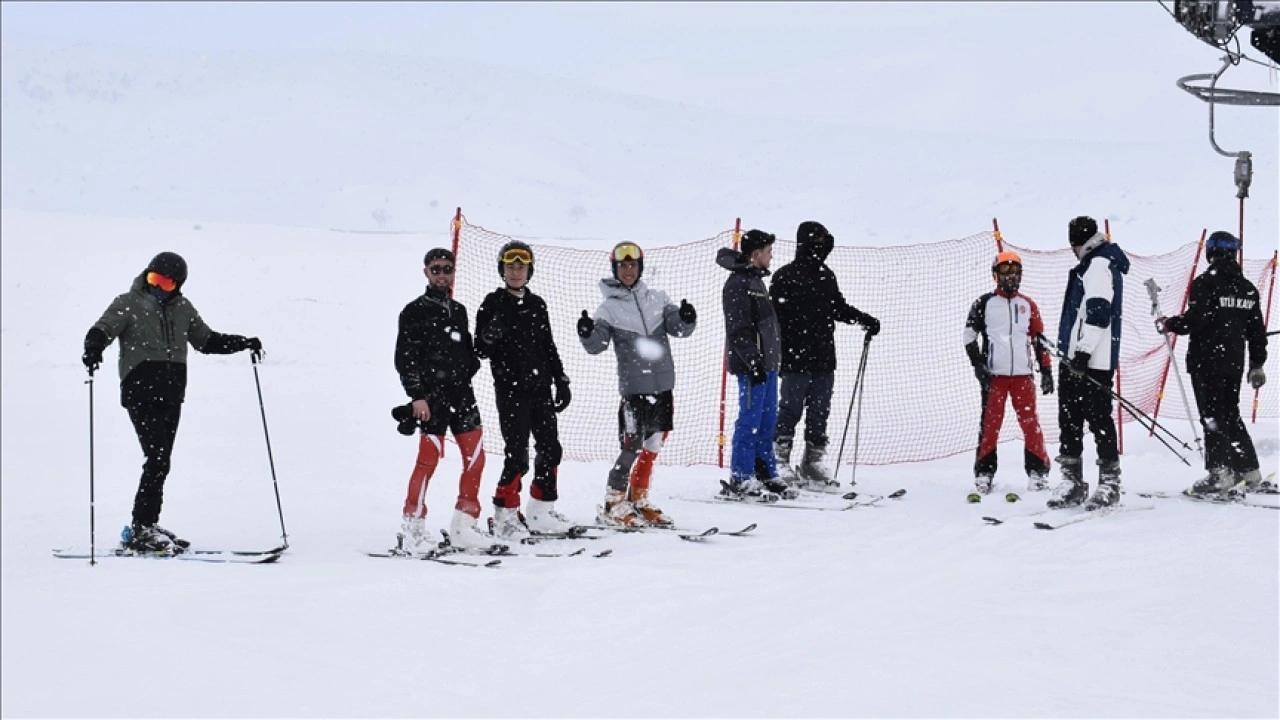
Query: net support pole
[
  {"x": 457, "y": 232},
  {"x": 1266, "y": 322},
  {"x": 995, "y": 225},
  {"x": 724, "y": 365},
  {"x": 1173, "y": 341}
]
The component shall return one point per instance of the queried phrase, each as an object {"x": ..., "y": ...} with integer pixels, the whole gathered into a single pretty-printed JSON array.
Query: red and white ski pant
[{"x": 1021, "y": 389}]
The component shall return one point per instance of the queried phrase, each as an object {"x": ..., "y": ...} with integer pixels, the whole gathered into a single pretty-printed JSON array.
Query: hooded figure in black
[
  {"x": 1223, "y": 314},
  {"x": 806, "y": 297},
  {"x": 155, "y": 322}
]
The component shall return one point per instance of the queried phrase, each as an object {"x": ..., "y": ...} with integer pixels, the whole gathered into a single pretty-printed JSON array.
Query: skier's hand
[
  {"x": 981, "y": 372},
  {"x": 1046, "y": 381},
  {"x": 254, "y": 346},
  {"x": 759, "y": 375},
  {"x": 1079, "y": 363},
  {"x": 493, "y": 332},
  {"x": 420, "y": 410},
  {"x": 1160, "y": 327},
  {"x": 92, "y": 358},
  {"x": 586, "y": 325},
  {"x": 563, "y": 396},
  {"x": 871, "y": 324},
  {"x": 688, "y": 315},
  {"x": 1257, "y": 378}
]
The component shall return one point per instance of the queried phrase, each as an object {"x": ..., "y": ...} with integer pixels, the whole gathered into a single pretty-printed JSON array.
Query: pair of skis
[
  {"x": 850, "y": 501},
  {"x": 1243, "y": 502},
  {"x": 251, "y": 557},
  {"x": 1082, "y": 516}
]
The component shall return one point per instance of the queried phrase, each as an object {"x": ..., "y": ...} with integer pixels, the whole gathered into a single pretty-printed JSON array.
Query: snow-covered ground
[{"x": 916, "y": 608}]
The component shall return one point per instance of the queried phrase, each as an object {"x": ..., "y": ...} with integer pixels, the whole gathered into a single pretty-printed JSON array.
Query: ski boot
[
  {"x": 146, "y": 539},
  {"x": 1219, "y": 484},
  {"x": 651, "y": 513},
  {"x": 413, "y": 534},
  {"x": 1254, "y": 483},
  {"x": 982, "y": 485},
  {"x": 1108, "y": 490},
  {"x": 1073, "y": 490},
  {"x": 813, "y": 476},
  {"x": 748, "y": 489},
  {"x": 543, "y": 518},
  {"x": 1037, "y": 481},
  {"x": 617, "y": 510},
  {"x": 464, "y": 534},
  {"x": 782, "y": 450},
  {"x": 508, "y": 524}
]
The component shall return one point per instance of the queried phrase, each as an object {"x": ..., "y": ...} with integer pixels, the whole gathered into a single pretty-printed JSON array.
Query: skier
[
  {"x": 638, "y": 320},
  {"x": 1089, "y": 339},
  {"x": 806, "y": 297},
  {"x": 436, "y": 361},
  {"x": 1008, "y": 323},
  {"x": 754, "y": 350},
  {"x": 1223, "y": 312},
  {"x": 513, "y": 330},
  {"x": 154, "y": 322}
]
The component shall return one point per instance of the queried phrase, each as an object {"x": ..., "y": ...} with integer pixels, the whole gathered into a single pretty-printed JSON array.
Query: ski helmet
[
  {"x": 626, "y": 250},
  {"x": 1221, "y": 245},
  {"x": 515, "y": 251},
  {"x": 1007, "y": 270},
  {"x": 171, "y": 265},
  {"x": 1081, "y": 230}
]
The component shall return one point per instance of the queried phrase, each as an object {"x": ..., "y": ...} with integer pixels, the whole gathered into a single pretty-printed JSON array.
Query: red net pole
[
  {"x": 995, "y": 226},
  {"x": 1173, "y": 342},
  {"x": 1266, "y": 323},
  {"x": 457, "y": 230},
  {"x": 724, "y": 365}
]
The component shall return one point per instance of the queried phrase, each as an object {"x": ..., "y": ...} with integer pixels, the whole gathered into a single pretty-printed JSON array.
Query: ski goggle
[
  {"x": 1008, "y": 269},
  {"x": 628, "y": 251},
  {"x": 517, "y": 255},
  {"x": 441, "y": 269},
  {"x": 164, "y": 282}
]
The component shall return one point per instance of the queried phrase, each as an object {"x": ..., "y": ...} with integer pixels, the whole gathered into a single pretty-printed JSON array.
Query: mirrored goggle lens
[
  {"x": 517, "y": 255},
  {"x": 1008, "y": 269},
  {"x": 441, "y": 269},
  {"x": 628, "y": 252},
  {"x": 164, "y": 282}
]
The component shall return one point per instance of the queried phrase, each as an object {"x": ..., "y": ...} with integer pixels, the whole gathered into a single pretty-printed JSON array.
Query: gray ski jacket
[{"x": 638, "y": 321}]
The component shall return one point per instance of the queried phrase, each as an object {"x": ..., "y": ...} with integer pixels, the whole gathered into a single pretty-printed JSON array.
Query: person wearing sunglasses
[
  {"x": 1008, "y": 324},
  {"x": 1089, "y": 340},
  {"x": 637, "y": 320},
  {"x": 436, "y": 361},
  {"x": 754, "y": 348},
  {"x": 1223, "y": 314},
  {"x": 806, "y": 295},
  {"x": 513, "y": 331},
  {"x": 154, "y": 322}
]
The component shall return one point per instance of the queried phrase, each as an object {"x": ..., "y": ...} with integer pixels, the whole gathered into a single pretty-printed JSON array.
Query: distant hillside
[{"x": 370, "y": 142}]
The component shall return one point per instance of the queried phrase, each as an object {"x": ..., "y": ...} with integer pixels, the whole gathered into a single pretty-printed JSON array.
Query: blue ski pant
[{"x": 753, "y": 430}]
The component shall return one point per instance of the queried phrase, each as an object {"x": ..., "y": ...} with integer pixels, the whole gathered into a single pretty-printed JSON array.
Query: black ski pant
[
  {"x": 799, "y": 391},
  {"x": 521, "y": 412},
  {"x": 1080, "y": 401},
  {"x": 157, "y": 427},
  {"x": 1226, "y": 440}
]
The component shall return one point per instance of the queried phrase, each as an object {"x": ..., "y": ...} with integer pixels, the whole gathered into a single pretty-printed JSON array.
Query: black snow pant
[
  {"x": 801, "y": 390},
  {"x": 521, "y": 412},
  {"x": 1226, "y": 440},
  {"x": 1081, "y": 401},
  {"x": 157, "y": 428}
]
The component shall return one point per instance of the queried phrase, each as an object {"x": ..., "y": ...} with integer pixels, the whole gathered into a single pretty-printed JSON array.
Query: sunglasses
[
  {"x": 1008, "y": 269},
  {"x": 517, "y": 255},
  {"x": 441, "y": 269},
  {"x": 164, "y": 282},
  {"x": 629, "y": 251}
]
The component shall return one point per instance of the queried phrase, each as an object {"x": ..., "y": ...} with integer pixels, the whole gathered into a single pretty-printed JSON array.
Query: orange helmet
[{"x": 1007, "y": 270}]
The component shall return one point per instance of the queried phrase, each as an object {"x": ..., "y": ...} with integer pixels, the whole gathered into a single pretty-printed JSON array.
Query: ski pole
[
  {"x": 857, "y": 388},
  {"x": 255, "y": 357},
  {"x": 1134, "y": 410},
  {"x": 1154, "y": 291},
  {"x": 92, "y": 530}
]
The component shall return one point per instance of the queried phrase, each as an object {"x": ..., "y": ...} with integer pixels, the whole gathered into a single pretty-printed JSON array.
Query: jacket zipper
[{"x": 641, "y": 311}]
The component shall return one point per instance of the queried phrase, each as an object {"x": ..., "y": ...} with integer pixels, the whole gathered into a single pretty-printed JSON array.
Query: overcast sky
[{"x": 1088, "y": 71}]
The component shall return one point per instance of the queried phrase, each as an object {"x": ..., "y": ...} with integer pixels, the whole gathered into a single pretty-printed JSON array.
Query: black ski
[
  {"x": 1243, "y": 502},
  {"x": 855, "y": 495}
]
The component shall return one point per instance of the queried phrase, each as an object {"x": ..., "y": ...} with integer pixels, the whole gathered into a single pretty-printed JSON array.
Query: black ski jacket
[
  {"x": 807, "y": 299},
  {"x": 750, "y": 325},
  {"x": 433, "y": 347},
  {"x": 525, "y": 355},
  {"x": 1223, "y": 313}
]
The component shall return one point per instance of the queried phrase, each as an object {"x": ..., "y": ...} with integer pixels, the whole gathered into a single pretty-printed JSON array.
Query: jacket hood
[
  {"x": 1111, "y": 252},
  {"x": 611, "y": 288},
  {"x": 815, "y": 251},
  {"x": 734, "y": 261}
]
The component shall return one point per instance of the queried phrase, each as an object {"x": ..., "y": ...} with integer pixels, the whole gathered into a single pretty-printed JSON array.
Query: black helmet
[
  {"x": 1221, "y": 245},
  {"x": 171, "y": 265},
  {"x": 1081, "y": 230},
  {"x": 514, "y": 246},
  {"x": 626, "y": 250}
]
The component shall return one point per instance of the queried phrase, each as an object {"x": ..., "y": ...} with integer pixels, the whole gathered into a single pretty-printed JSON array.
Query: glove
[
  {"x": 92, "y": 358},
  {"x": 1046, "y": 381},
  {"x": 586, "y": 325},
  {"x": 1257, "y": 378},
  {"x": 871, "y": 324},
  {"x": 1079, "y": 363},
  {"x": 759, "y": 375},
  {"x": 981, "y": 372},
  {"x": 688, "y": 315},
  {"x": 563, "y": 396},
  {"x": 253, "y": 344},
  {"x": 1160, "y": 327},
  {"x": 493, "y": 332}
]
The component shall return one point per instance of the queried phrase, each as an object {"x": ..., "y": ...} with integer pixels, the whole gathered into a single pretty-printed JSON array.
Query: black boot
[{"x": 1073, "y": 490}]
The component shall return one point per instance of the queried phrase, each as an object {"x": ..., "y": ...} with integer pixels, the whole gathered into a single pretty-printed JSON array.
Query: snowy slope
[{"x": 913, "y": 609}]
